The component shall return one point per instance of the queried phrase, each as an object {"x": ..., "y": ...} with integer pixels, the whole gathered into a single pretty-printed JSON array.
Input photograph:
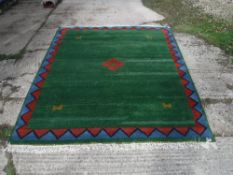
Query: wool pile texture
[{"x": 112, "y": 84}]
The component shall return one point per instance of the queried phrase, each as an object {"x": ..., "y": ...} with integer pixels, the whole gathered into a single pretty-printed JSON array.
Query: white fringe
[{"x": 109, "y": 147}]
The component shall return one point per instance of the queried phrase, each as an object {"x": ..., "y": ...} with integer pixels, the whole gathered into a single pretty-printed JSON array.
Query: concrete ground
[
  {"x": 19, "y": 24},
  {"x": 208, "y": 65}
]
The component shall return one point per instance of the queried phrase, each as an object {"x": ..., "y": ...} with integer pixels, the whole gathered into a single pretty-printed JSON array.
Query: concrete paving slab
[
  {"x": 3, "y": 160},
  {"x": 15, "y": 81},
  {"x": 4, "y": 66},
  {"x": 11, "y": 69},
  {"x": 212, "y": 87},
  {"x": 213, "y": 79},
  {"x": 202, "y": 56},
  {"x": 42, "y": 40},
  {"x": 221, "y": 118},
  {"x": 136, "y": 158},
  {"x": 103, "y": 12},
  {"x": 10, "y": 111},
  {"x": 30, "y": 62},
  {"x": 19, "y": 23}
]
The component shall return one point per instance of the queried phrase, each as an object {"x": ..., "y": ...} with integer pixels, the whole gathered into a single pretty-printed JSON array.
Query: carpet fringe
[{"x": 112, "y": 147}]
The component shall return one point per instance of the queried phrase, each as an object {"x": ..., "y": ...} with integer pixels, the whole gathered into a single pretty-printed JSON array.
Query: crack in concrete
[
  {"x": 230, "y": 87},
  {"x": 149, "y": 22},
  {"x": 36, "y": 50},
  {"x": 24, "y": 74},
  {"x": 209, "y": 101}
]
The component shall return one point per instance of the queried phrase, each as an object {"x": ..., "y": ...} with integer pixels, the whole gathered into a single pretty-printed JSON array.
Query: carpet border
[{"x": 23, "y": 135}]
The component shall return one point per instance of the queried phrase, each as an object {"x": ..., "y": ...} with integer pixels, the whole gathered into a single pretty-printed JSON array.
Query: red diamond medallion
[{"x": 113, "y": 64}]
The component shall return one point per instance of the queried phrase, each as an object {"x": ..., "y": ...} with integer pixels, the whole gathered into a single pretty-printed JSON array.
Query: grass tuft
[
  {"x": 5, "y": 132},
  {"x": 10, "y": 168},
  {"x": 184, "y": 17}
]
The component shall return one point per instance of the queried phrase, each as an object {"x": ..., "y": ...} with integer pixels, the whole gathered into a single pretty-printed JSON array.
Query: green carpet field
[{"x": 114, "y": 78}]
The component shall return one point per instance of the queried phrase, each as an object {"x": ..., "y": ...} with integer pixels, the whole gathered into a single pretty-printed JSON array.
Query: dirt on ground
[{"x": 219, "y": 8}]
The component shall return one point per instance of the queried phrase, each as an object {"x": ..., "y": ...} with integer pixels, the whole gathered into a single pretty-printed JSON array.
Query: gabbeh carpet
[{"x": 109, "y": 84}]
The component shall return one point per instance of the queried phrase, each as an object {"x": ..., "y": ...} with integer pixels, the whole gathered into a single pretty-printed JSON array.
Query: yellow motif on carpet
[
  {"x": 167, "y": 105},
  {"x": 57, "y": 107},
  {"x": 78, "y": 37}
]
